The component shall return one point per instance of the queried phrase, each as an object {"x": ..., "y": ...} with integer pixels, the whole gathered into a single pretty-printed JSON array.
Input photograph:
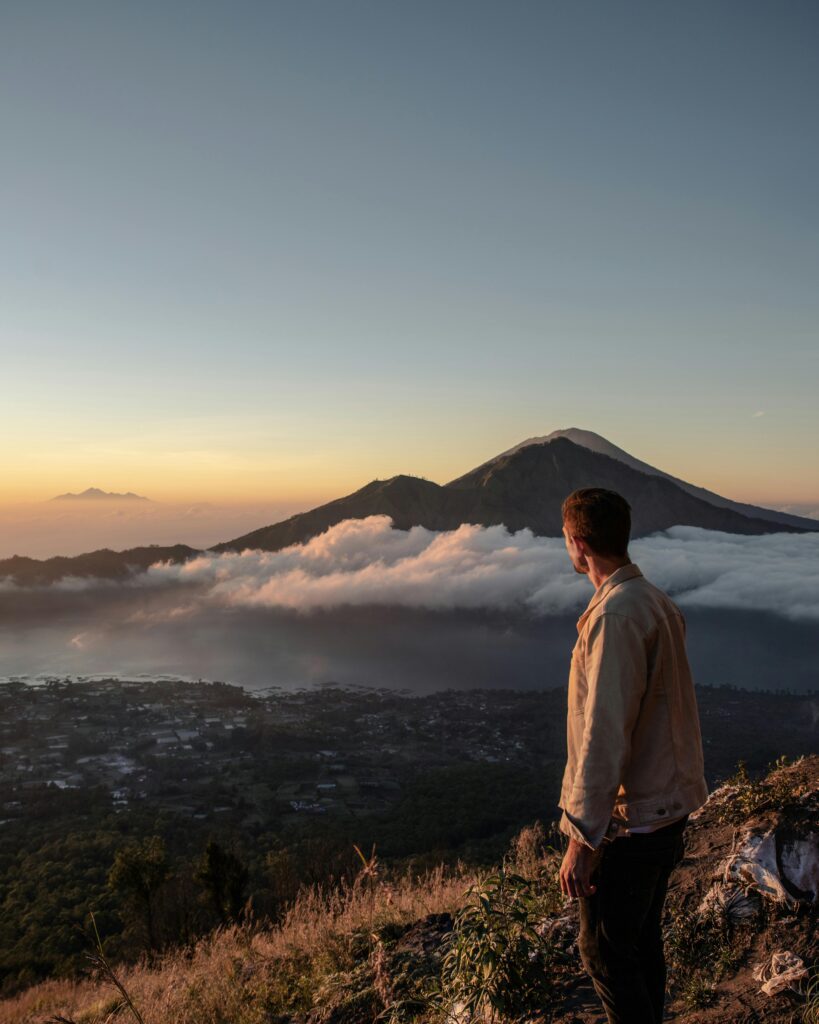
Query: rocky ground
[
  {"x": 741, "y": 913},
  {"x": 745, "y": 893}
]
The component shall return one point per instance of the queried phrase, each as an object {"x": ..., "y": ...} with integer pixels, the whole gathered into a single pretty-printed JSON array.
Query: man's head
[{"x": 596, "y": 523}]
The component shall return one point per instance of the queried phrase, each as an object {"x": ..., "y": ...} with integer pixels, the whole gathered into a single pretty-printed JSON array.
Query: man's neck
[{"x": 599, "y": 571}]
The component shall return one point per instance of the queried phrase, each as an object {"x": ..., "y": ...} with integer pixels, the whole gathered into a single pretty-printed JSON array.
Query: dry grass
[{"x": 244, "y": 974}]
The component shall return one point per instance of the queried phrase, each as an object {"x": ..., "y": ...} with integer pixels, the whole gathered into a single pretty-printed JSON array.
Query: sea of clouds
[
  {"x": 367, "y": 562},
  {"x": 366, "y": 604}
]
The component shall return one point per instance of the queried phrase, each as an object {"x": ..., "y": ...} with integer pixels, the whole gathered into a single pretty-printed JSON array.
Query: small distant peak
[{"x": 96, "y": 494}]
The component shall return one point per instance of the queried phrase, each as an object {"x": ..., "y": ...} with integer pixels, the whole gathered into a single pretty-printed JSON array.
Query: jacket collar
[{"x": 625, "y": 572}]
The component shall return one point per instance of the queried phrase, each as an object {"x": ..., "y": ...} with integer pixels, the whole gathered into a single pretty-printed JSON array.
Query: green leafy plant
[
  {"x": 694, "y": 946},
  {"x": 701, "y": 948},
  {"x": 748, "y": 796},
  {"x": 497, "y": 965}
]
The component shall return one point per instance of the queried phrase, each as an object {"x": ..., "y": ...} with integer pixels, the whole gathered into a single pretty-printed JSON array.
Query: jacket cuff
[{"x": 578, "y": 830}]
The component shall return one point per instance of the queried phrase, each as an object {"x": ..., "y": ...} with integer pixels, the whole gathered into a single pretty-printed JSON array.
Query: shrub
[
  {"x": 497, "y": 965},
  {"x": 748, "y": 796},
  {"x": 701, "y": 947}
]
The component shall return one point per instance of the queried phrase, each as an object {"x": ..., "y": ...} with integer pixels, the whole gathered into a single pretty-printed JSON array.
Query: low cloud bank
[{"x": 365, "y": 561}]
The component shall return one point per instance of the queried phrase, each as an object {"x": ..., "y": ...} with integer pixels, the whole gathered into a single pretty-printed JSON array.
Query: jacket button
[{"x": 661, "y": 810}]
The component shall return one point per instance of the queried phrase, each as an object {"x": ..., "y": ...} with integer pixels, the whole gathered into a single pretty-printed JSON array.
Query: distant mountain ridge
[
  {"x": 522, "y": 487},
  {"x": 95, "y": 494},
  {"x": 102, "y": 564}
]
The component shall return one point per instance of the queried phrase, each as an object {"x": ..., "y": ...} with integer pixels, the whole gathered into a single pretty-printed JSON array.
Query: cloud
[
  {"x": 364, "y": 603},
  {"x": 777, "y": 573},
  {"x": 756, "y": 415},
  {"x": 808, "y": 510},
  {"x": 365, "y": 562},
  {"x": 362, "y": 562}
]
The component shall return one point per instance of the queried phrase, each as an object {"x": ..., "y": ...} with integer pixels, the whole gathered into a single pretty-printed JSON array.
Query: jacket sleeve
[{"x": 616, "y": 668}]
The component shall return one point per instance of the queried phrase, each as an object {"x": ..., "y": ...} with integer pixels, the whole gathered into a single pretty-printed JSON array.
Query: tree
[
  {"x": 138, "y": 873},
  {"x": 224, "y": 878}
]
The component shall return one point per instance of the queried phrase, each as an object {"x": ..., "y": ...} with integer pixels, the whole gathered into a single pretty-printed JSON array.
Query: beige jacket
[{"x": 632, "y": 730}]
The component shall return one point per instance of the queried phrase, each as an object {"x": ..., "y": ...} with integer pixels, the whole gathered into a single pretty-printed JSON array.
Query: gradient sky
[{"x": 270, "y": 251}]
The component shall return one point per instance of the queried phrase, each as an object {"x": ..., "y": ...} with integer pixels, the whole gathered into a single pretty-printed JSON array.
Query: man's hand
[{"x": 576, "y": 869}]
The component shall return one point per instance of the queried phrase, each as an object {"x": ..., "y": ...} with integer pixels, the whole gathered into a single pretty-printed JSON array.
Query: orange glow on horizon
[{"x": 310, "y": 473}]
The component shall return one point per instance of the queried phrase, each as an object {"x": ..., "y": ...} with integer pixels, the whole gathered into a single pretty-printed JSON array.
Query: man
[{"x": 634, "y": 770}]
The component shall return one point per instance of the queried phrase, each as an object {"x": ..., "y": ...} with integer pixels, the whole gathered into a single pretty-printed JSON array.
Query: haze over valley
[{"x": 409, "y": 584}]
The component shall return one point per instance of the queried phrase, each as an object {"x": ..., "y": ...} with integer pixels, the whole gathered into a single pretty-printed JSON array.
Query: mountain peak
[
  {"x": 577, "y": 435},
  {"x": 522, "y": 488},
  {"x": 95, "y": 494}
]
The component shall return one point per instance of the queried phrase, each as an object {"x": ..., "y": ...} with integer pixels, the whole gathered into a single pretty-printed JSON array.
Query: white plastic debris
[
  {"x": 730, "y": 902},
  {"x": 800, "y": 865},
  {"x": 753, "y": 862},
  {"x": 783, "y": 970}
]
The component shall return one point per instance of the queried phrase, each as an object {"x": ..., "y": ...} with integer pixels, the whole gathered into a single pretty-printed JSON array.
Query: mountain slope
[
  {"x": 102, "y": 564},
  {"x": 521, "y": 488},
  {"x": 596, "y": 443},
  {"x": 744, "y": 898},
  {"x": 409, "y": 500},
  {"x": 745, "y": 894},
  {"x": 524, "y": 488}
]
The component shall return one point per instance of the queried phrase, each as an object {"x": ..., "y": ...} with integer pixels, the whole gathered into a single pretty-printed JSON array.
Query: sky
[{"x": 266, "y": 252}]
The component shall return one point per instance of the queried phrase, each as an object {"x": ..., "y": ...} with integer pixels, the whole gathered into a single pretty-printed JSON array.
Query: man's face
[{"x": 575, "y": 553}]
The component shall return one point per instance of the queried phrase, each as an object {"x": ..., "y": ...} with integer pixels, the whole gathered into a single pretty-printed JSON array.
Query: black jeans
[{"x": 621, "y": 943}]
